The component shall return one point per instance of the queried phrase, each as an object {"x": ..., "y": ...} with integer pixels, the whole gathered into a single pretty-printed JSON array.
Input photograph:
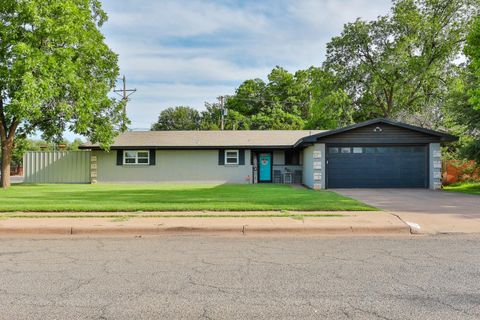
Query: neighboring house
[{"x": 373, "y": 154}]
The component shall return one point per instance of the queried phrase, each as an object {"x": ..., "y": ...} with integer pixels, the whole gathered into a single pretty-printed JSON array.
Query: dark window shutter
[
  {"x": 241, "y": 157},
  {"x": 152, "y": 157},
  {"x": 119, "y": 157},
  {"x": 221, "y": 157}
]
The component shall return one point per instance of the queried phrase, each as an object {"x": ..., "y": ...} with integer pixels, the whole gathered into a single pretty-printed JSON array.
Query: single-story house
[{"x": 378, "y": 153}]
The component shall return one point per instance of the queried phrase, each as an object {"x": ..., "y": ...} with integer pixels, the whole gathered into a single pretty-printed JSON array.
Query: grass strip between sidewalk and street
[{"x": 121, "y": 217}]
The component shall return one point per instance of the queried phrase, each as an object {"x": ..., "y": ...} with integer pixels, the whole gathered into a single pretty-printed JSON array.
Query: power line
[{"x": 263, "y": 100}]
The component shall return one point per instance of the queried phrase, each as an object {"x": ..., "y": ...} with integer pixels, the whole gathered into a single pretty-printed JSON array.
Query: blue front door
[{"x": 265, "y": 167}]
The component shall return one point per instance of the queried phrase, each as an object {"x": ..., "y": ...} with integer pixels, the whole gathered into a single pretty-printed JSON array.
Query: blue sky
[{"x": 186, "y": 52}]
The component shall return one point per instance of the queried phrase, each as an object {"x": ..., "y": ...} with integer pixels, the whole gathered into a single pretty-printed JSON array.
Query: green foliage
[
  {"x": 306, "y": 99},
  {"x": 178, "y": 118},
  {"x": 331, "y": 107},
  {"x": 463, "y": 103},
  {"x": 400, "y": 62},
  {"x": 56, "y": 72},
  {"x": 472, "y": 50}
]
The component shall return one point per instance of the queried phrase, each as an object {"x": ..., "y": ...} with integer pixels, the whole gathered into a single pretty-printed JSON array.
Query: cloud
[{"x": 185, "y": 52}]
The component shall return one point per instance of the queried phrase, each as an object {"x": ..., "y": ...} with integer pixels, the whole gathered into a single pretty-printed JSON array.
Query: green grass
[
  {"x": 126, "y": 217},
  {"x": 472, "y": 188},
  {"x": 177, "y": 197}
]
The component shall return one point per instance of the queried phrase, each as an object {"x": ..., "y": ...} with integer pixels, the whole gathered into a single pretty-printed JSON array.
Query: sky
[{"x": 186, "y": 52}]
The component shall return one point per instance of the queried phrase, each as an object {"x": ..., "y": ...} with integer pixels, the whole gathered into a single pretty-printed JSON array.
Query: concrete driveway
[{"x": 433, "y": 211}]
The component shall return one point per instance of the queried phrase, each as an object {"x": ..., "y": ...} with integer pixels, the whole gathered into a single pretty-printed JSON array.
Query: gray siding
[
  {"x": 389, "y": 135},
  {"x": 57, "y": 167},
  {"x": 187, "y": 166},
  {"x": 308, "y": 166}
]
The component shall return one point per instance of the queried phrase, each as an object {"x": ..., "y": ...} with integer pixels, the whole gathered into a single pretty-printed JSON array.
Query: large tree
[
  {"x": 401, "y": 61},
  {"x": 463, "y": 105},
  {"x": 178, "y": 118},
  {"x": 55, "y": 73}
]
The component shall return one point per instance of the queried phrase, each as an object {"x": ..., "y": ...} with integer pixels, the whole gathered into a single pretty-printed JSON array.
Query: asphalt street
[{"x": 183, "y": 277}]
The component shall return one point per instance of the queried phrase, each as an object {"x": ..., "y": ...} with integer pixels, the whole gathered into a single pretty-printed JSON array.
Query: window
[
  {"x": 333, "y": 150},
  {"x": 345, "y": 150},
  {"x": 231, "y": 156},
  {"x": 292, "y": 158},
  {"x": 140, "y": 157},
  {"x": 357, "y": 150}
]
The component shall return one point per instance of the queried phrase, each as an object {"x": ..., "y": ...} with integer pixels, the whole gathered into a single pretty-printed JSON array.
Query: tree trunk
[{"x": 7, "y": 149}]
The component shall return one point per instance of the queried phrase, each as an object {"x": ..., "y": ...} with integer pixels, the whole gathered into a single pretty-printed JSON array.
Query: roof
[
  {"x": 443, "y": 137},
  {"x": 243, "y": 138},
  {"x": 207, "y": 139}
]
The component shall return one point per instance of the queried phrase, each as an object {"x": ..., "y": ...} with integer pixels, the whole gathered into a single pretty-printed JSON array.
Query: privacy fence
[{"x": 57, "y": 167}]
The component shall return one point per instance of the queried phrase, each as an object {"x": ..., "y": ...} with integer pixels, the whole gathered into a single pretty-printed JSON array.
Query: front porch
[{"x": 277, "y": 166}]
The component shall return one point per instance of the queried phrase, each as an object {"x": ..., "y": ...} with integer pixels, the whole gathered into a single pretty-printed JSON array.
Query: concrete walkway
[
  {"x": 347, "y": 223},
  {"x": 426, "y": 211}
]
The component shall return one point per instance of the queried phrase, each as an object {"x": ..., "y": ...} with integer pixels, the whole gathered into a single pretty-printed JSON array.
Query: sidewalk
[
  {"x": 346, "y": 223},
  {"x": 436, "y": 223}
]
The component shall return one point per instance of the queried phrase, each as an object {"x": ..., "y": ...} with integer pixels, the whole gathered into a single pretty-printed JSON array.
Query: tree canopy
[
  {"x": 178, "y": 118},
  {"x": 463, "y": 104},
  {"x": 55, "y": 73},
  {"x": 402, "y": 61}
]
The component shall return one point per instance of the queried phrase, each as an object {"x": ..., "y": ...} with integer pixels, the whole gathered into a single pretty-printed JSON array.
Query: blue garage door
[{"x": 377, "y": 167}]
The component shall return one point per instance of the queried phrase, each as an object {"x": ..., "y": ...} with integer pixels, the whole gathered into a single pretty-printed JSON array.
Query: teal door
[{"x": 265, "y": 167}]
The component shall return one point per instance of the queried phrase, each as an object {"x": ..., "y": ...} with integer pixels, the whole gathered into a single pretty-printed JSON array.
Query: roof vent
[{"x": 377, "y": 129}]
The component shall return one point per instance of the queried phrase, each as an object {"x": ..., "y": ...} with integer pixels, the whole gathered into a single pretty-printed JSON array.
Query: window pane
[
  {"x": 292, "y": 158},
  {"x": 143, "y": 160},
  {"x": 129, "y": 160},
  {"x": 130, "y": 154},
  {"x": 370, "y": 150},
  {"x": 357, "y": 150},
  {"x": 232, "y": 160},
  {"x": 143, "y": 154},
  {"x": 333, "y": 150},
  {"x": 345, "y": 150},
  {"x": 231, "y": 154}
]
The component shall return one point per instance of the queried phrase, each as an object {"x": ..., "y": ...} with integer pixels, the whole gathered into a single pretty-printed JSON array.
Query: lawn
[
  {"x": 472, "y": 188},
  {"x": 142, "y": 197}
]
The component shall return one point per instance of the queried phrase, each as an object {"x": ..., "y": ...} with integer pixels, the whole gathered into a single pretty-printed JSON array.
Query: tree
[
  {"x": 472, "y": 51},
  {"x": 330, "y": 106},
  {"x": 463, "y": 105},
  {"x": 400, "y": 61},
  {"x": 55, "y": 73},
  {"x": 178, "y": 118}
]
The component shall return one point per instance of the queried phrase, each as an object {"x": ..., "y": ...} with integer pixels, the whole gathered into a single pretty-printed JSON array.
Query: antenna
[{"x": 125, "y": 93}]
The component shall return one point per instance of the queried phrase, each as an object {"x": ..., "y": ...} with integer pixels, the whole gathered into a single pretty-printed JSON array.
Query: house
[{"x": 378, "y": 153}]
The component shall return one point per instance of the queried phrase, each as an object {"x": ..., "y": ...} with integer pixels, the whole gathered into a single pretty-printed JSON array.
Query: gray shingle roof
[{"x": 206, "y": 139}]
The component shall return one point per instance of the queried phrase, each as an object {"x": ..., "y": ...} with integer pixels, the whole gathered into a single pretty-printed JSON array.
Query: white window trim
[
  {"x": 136, "y": 158},
  {"x": 231, "y": 163}
]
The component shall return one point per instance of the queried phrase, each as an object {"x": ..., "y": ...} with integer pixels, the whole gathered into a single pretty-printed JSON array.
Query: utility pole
[
  {"x": 223, "y": 112},
  {"x": 124, "y": 93}
]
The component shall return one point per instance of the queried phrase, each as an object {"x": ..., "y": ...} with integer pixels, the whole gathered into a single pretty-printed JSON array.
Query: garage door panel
[{"x": 377, "y": 167}]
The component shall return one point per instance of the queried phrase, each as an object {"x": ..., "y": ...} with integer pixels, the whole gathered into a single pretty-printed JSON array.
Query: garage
[
  {"x": 378, "y": 153},
  {"x": 377, "y": 166}
]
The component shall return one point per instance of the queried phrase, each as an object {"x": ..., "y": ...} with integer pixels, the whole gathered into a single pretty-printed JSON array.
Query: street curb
[{"x": 237, "y": 230}]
